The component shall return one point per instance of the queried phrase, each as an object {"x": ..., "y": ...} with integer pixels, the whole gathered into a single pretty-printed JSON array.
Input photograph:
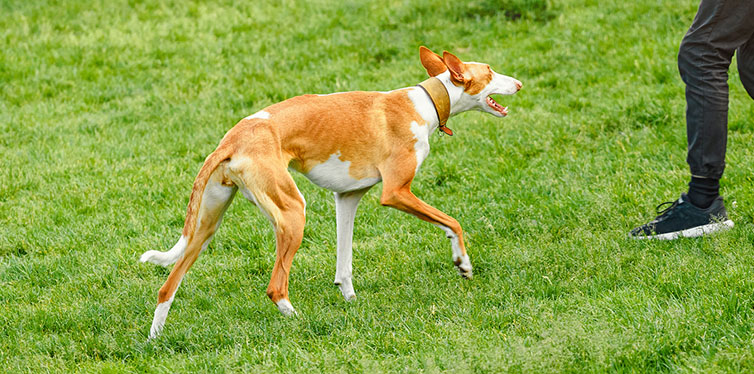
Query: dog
[{"x": 345, "y": 142}]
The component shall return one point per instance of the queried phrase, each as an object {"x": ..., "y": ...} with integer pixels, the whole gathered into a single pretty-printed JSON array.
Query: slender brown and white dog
[{"x": 344, "y": 142}]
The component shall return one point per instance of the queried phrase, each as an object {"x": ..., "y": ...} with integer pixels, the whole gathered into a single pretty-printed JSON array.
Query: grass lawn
[{"x": 108, "y": 109}]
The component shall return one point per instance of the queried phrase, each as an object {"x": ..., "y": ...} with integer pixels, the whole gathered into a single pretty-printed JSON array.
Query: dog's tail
[{"x": 221, "y": 154}]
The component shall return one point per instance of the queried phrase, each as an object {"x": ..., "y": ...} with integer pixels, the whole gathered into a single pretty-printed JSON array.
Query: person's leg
[
  {"x": 745, "y": 56},
  {"x": 719, "y": 28}
]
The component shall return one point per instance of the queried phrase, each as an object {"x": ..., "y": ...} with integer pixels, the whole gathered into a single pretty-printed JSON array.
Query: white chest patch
[
  {"x": 421, "y": 134},
  {"x": 260, "y": 115},
  {"x": 333, "y": 175},
  {"x": 423, "y": 105}
]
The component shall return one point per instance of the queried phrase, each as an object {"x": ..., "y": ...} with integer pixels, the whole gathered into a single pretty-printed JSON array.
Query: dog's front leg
[
  {"x": 345, "y": 213},
  {"x": 396, "y": 193}
]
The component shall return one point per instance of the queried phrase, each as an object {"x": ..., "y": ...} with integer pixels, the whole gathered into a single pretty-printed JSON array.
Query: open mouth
[{"x": 497, "y": 107}]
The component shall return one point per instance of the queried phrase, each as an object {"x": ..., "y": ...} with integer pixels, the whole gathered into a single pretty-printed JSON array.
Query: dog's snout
[{"x": 518, "y": 85}]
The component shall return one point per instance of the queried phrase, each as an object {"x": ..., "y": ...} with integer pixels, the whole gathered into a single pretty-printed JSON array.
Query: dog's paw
[
  {"x": 466, "y": 273},
  {"x": 346, "y": 288},
  {"x": 160, "y": 314},
  {"x": 285, "y": 307},
  {"x": 463, "y": 264}
]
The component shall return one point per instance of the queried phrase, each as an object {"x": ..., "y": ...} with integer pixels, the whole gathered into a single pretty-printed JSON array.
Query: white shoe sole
[{"x": 692, "y": 232}]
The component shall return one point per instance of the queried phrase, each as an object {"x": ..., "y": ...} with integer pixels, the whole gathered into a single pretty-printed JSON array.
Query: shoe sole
[{"x": 692, "y": 232}]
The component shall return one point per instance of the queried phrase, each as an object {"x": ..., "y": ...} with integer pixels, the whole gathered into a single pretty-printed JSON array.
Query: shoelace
[{"x": 662, "y": 212}]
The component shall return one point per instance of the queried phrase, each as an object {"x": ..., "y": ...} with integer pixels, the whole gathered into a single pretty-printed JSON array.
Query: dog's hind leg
[
  {"x": 265, "y": 182},
  {"x": 216, "y": 198},
  {"x": 345, "y": 212}
]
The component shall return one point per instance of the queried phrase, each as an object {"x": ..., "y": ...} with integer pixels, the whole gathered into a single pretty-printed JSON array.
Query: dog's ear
[
  {"x": 431, "y": 62},
  {"x": 456, "y": 67}
]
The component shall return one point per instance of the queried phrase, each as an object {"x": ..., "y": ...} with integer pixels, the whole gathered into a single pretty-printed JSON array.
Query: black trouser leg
[
  {"x": 719, "y": 28},
  {"x": 745, "y": 56}
]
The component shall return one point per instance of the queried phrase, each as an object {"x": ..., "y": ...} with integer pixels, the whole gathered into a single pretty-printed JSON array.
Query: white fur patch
[
  {"x": 259, "y": 115},
  {"x": 503, "y": 84},
  {"x": 454, "y": 241},
  {"x": 421, "y": 147},
  {"x": 464, "y": 266},
  {"x": 333, "y": 175},
  {"x": 215, "y": 195},
  {"x": 346, "y": 288},
  {"x": 345, "y": 212},
  {"x": 160, "y": 314},
  {"x": 166, "y": 258},
  {"x": 423, "y": 105},
  {"x": 285, "y": 307}
]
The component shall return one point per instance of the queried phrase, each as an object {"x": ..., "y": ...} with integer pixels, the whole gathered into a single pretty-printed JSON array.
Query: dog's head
[{"x": 477, "y": 80}]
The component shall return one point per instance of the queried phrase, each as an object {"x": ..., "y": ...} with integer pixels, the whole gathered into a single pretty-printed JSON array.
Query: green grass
[{"x": 108, "y": 108}]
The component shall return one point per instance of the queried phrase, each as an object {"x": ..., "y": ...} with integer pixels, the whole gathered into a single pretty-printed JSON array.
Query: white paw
[
  {"x": 160, "y": 314},
  {"x": 463, "y": 264},
  {"x": 285, "y": 307},
  {"x": 155, "y": 331},
  {"x": 346, "y": 288}
]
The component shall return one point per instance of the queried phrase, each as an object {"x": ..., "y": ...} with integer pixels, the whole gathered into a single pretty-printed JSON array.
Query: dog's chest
[{"x": 421, "y": 147}]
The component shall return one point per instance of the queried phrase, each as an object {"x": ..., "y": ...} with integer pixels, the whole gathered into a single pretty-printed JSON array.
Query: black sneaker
[{"x": 683, "y": 219}]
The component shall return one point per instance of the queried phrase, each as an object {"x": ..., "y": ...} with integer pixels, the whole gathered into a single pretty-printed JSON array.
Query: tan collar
[{"x": 439, "y": 96}]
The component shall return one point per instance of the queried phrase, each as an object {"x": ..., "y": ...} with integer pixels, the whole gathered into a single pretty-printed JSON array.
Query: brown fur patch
[
  {"x": 362, "y": 126},
  {"x": 478, "y": 77}
]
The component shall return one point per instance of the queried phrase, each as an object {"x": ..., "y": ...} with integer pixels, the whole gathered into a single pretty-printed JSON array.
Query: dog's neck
[
  {"x": 454, "y": 94},
  {"x": 438, "y": 94},
  {"x": 441, "y": 88}
]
